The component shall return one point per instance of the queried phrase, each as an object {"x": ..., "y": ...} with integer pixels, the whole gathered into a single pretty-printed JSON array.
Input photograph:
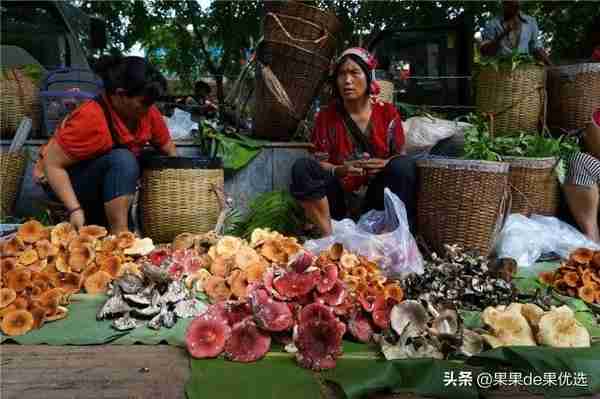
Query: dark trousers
[
  {"x": 311, "y": 182},
  {"x": 102, "y": 179}
]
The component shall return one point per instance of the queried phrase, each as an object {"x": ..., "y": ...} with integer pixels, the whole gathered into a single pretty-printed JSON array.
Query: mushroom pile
[
  {"x": 223, "y": 267},
  {"x": 464, "y": 279},
  {"x": 578, "y": 277},
  {"x": 42, "y": 266},
  {"x": 305, "y": 305},
  {"x": 529, "y": 325},
  {"x": 421, "y": 330},
  {"x": 154, "y": 300}
]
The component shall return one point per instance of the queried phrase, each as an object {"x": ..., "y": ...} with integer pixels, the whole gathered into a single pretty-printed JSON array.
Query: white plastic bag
[
  {"x": 526, "y": 239},
  {"x": 180, "y": 124},
  {"x": 423, "y": 132},
  {"x": 382, "y": 236}
]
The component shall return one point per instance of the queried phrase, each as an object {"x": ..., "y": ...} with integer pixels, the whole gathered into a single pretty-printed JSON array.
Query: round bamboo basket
[
  {"x": 12, "y": 169},
  {"x": 574, "y": 93},
  {"x": 515, "y": 98},
  {"x": 535, "y": 188},
  {"x": 180, "y": 195},
  {"x": 18, "y": 98},
  {"x": 461, "y": 202}
]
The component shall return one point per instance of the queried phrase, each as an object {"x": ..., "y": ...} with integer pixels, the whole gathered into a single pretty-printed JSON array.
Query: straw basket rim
[
  {"x": 531, "y": 163},
  {"x": 465, "y": 164}
]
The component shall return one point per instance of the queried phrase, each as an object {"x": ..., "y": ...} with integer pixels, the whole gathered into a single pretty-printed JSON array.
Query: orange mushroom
[
  {"x": 217, "y": 289},
  {"x": 17, "y": 322},
  {"x": 80, "y": 241},
  {"x": 62, "y": 234},
  {"x": 93, "y": 232},
  {"x": 394, "y": 291},
  {"x": 125, "y": 239},
  {"x": 12, "y": 247},
  {"x": 572, "y": 279},
  {"x": 80, "y": 257},
  {"x": 18, "y": 279},
  {"x": 595, "y": 263},
  {"x": 582, "y": 256},
  {"x": 69, "y": 282},
  {"x": 289, "y": 245},
  {"x": 273, "y": 252},
  {"x": 112, "y": 266},
  {"x": 238, "y": 283},
  {"x": 335, "y": 251},
  {"x": 38, "y": 265},
  {"x": 97, "y": 283},
  {"x": 547, "y": 278},
  {"x": 109, "y": 245},
  {"x": 221, "y": 266},
  {"x": 359, "y": 272},
  {"x": 7, "y": 296},
  {"x": 7, "y": 265},
  {"x": 255, "y": 271},
  {"x": 51, "y": 298},
  {"x": 28, "y": 257},
  {"x": 7, "y": 309},
  {"x": 21, "y": 302},
  {"x": 39, "y": 316},
  {"x": 61, "y": 263},
  {"x": 45, "y": 249},
  {"x": 31, "y": 231},
  {"x": 183, "y": 241},
  {"x": 61, "y": 313},
  {"x": 588, "y": 293},
  {"x": 89, "y": 270}
]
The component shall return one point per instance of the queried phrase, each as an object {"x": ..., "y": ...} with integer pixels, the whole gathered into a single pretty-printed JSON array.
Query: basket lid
[{"x": 166, "y": 162}]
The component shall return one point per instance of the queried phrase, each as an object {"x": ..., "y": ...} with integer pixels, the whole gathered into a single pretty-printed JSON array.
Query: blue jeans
[{"x": 100, "y": 180}]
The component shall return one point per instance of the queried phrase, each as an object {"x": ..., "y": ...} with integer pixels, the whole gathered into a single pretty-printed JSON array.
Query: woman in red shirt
[
  {"x": 91, "y": 162},
  {"x": 359, "y": 145}
]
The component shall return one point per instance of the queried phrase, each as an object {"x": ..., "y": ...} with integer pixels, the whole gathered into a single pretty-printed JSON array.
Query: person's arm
[
  {"x": 169, "y": 149},
  {"x": 55, "y": 165},
  {"x": 537, "y": 48},
  {"x": 492, "y": 38},
  {"x": 592, "y": 136}
]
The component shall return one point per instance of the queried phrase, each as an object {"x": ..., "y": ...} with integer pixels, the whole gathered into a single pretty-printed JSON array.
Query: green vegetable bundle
[
  {"x": 507, "y": 62},
  {"x": 481, "y": 145}
]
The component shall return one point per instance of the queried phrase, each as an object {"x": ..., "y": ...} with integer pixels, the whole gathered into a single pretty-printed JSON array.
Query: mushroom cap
[
  {"x": 228, "y": 246},
  {"x": 93, "y": 231},
  {"x": 183, "y": 241},
  {"x": 255, "y": 271},
  {"x": 238, "y": 283},
  {"x": 221, "y": 266},
  {"x": 61, "y": 313},
  {"x": 589, "y": 292},
  {"x": 273, "y": 252},
  {"x": 245, "y": 257},
  {"x": 140, "y": 247},
  {"x": 62, "y": 234},
  {"x": 125, "y": 239},
  {"x": 17, "y": 322},
  {"x": 217, "y": 289},
  {"x": 582, "y": 256},
  {"x": 81, "y": 256},
  {"x": 335, "y": 251},
  {"x": 408, "y": 313},
  {"x": 97, "y": 283},
  {"x": 18, "y": 279},
  {"x": 31, "y": 231},
  {"x": 559, "y": 328},
  {"x": 7, "y": 296},
  {"x": 45, "y": 249},
  {"x": 12, "y": 247},
  {"x": 112, "y": 265},
  {"x": 509, "y": 326}
]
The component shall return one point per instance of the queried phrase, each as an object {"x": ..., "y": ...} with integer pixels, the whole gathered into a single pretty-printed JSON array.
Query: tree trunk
[{"x": 220, "y": 95}]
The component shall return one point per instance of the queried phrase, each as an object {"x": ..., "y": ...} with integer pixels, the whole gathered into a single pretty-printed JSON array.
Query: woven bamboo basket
[
  {"x": 12, "y": 169},
  {"x": 574, "y": 93},
  {"x": 180, "y": 195},
  {"x": 461, "y": 202},
  {"x": 19, "y": 97},
  {"x": 386, "y": 93},
  {"x": 535, "y": 188},
  {"x": 299, "y": 41},
  {"x": 515, "y": 98}
]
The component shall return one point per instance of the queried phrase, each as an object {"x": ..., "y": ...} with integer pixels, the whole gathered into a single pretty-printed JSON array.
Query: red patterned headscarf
[{"x": 369, "y": 60}]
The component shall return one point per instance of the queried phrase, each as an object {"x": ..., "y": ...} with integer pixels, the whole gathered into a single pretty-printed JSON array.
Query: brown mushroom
[
  {"x": 69, "y": 282},
  {"x": 62, "y": 234},
  {"x": 255, "y": 271},
  {"x": 21, "y": 302},
  {"x": 45, "y": 249},
  {"x": 221, "y": 266},
  {"x": 547, "y": 278},
  {"x": 7, "y": 265},
  {"x": 7, "y": 296},
  {"x": 595, "y": 262},
  {"x": 125, "y": 239},
  {"x": 51, "y": 298},
  {"x": 18, "y": 279},
  {"x": 273, "y": 252},
  {"x": 97, "y": 283},
  {"x": 39, "y": 316},
  {"x": 582, "y": 256},
  {"x": 17, "y": 322},
  {"x": 7, "y": 309},
  {"x": 588, "y": 292},
  {"x": 80, "y": 241},
  {"x": 109, "y": 245},
  {"x": 394, "y": 291},
  {"x": 572, "y": 279},
  {"x": 238, "y": 283},
  {"x": 80, "y": 257},
  {"x": 61, "y": 264},
  {"x": 61, "y": 313},
  {"x": 112, "y": 266},
  {"x": 12, "y": 247},
  {"x": 38, "y": 265},
  {"x": 89, "y": 270},
  {"x": 28, "y": 257},
  {"x": 31, "y": 231},
  {"x": 183, "y": 241},
  {"x": 335, "y": 251},
  {"x": 93, "y": 232},
  {"x": 217, "y": 289}
]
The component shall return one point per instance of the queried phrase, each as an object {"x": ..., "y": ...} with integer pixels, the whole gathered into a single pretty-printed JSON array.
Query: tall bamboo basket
[
  {"x": 19, "y": 97},
  {"x": 12, "y": 169},
  {"x": 515, "y": 98},
  {"x": 180, "y": 194},
  {"x": 534, "y": 186},
  {"x": 574, "y": 93},
  {"x": 461, "y": 202}
]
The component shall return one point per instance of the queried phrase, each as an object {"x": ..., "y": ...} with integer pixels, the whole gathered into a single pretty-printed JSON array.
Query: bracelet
[
  {"x": 332, "y": 171},
  {"x": 70, "y": 212}
]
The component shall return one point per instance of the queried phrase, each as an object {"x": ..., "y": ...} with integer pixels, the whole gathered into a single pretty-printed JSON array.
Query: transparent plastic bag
[
  {"x": 423, "y": 132},
  {"x": 527, "y": 239},
  {"x": 382, "y": 236},
  {"x": 180, "y": 125}
]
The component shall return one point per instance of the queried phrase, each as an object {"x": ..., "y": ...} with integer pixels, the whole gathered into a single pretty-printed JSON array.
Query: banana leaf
[
  {"x": 78, "y": 328},
  {"x": 143, "y": 335}
]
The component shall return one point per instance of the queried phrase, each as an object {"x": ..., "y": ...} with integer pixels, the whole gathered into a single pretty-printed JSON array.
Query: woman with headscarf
[
  {"x": 358, "y": 144},
  {"x": 91, "y": 162}
]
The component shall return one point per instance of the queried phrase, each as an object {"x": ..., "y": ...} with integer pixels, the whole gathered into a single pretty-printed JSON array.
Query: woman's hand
[
  {"x": 373, "y": 166},
  {"x": 347, "y": 169},
  {"x": 77, "y": 218}
]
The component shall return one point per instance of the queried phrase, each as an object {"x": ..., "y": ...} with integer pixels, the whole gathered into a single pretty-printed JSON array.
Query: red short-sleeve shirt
[
  {"x": 84, "y": 134},
  {"x": 333, "y": 144}
]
